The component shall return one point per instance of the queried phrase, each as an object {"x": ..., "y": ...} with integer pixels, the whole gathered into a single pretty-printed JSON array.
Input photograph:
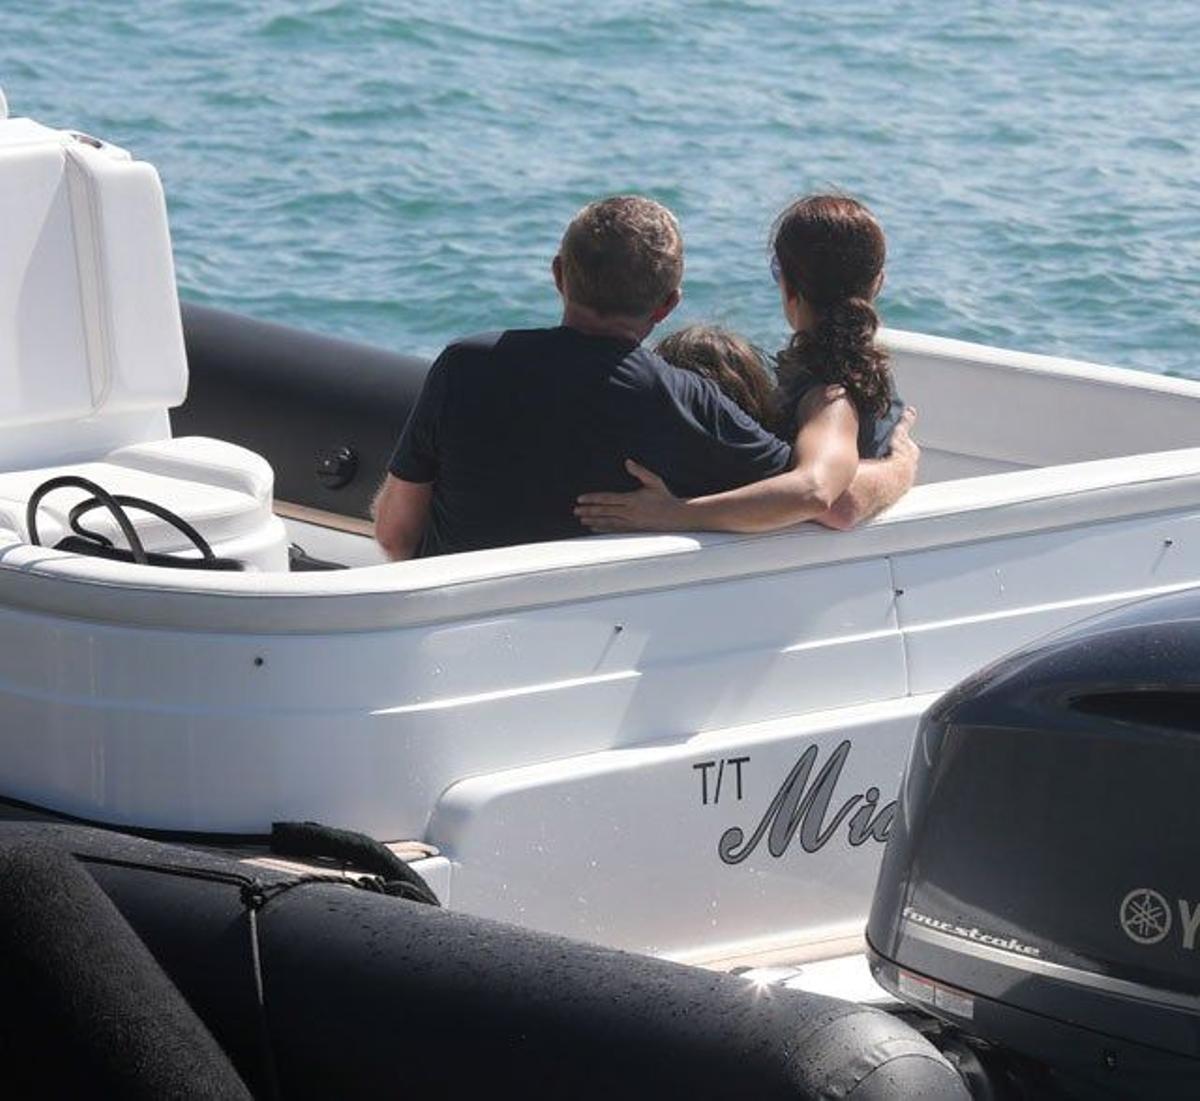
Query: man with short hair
[{"x": 511, "y": 427}]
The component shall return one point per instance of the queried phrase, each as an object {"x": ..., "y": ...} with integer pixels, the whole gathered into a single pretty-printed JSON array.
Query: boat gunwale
[
  {"x": 906, "y": 342},
  {"x": 455, "y": 587}
]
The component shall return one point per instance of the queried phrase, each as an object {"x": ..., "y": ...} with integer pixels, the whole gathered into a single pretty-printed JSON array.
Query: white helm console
[{"x": 91, "y": 346}]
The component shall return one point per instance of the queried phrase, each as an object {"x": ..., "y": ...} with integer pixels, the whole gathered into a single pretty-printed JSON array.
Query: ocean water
[{"x": 400, "y": 173}]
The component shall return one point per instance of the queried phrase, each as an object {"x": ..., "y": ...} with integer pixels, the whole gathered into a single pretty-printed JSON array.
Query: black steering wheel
[{"x": 116, "y": 505}]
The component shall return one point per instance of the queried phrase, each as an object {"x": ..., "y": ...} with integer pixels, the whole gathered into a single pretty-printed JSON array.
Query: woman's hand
[{"x": 650, "y": 508}]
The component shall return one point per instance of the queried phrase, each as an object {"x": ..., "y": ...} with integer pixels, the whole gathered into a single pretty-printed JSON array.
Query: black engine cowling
[{"x": 1041, "y": 887}]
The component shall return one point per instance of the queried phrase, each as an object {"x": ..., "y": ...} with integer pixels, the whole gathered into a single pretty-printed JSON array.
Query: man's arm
[
  {"x": 401, "y": 507},
  {"x": 826, "y": 459},
  {"x": 401, "y": 512},
  {"x": 878, "y": 483}
]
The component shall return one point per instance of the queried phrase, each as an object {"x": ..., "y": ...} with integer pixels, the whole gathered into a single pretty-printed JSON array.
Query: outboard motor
[{"x": 1040, "y": 891}]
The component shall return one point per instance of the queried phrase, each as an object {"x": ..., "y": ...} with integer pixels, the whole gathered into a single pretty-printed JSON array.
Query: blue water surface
[{"x": 400, "y": 172}]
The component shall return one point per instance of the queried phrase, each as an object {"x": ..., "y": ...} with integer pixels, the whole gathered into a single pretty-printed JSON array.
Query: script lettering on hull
[{"x": 804, "y": 811}]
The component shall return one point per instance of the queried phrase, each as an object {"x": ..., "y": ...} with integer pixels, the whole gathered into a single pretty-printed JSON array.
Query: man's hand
[
  {"x": 401, "y": 511},
  {"x": 878, "y": 483}
]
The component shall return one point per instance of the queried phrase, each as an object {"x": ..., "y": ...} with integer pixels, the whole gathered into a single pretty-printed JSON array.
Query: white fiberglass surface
[
  {"x": 331, "y": 545},
  {"x": 986, "y": 410},
  {"x": 91, "y": 344},
  {"x": 41, "y": 318},
  {"x": 214, "y": 728},
  {"x": 682, "y": 847}
]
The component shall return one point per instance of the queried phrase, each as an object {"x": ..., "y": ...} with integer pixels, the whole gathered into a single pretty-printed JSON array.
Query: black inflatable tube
[
  {"x": 85, "y": 1011},
  {"x": 488, "y": 1006},
  {"x": 297, "y": 398},
  {"x": 367, "y": 996}
]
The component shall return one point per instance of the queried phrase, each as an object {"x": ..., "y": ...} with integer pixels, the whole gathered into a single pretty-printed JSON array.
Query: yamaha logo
[{"x": 1145, "y": 916}]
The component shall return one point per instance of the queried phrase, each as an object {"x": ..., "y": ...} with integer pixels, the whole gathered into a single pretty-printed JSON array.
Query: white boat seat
[
  {"x": 92, "y": 356},
  {"x": 222, "y": 490},
  {"x": 91, "y": 345}
]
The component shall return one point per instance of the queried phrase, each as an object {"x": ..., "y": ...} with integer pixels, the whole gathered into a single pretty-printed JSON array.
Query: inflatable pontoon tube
[
  {"x": 320, "y": 989},
  {"x": 325, "y": 413},
  {"x": 85, "y": 1009}
]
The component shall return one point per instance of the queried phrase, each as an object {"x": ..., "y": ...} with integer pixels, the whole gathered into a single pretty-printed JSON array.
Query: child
[{"x": 729, "y": 361}]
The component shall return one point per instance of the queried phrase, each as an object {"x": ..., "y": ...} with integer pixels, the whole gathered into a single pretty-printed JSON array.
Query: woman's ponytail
[
  {"x": 840, "y": 350},
  {"x": 844, "y": 340},
  {"x": 831, "y": 252}
]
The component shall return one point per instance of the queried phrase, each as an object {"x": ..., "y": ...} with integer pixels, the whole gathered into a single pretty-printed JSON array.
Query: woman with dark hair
[
  {"x": 834, "y": 399},
  {"x": 827, "y": 258}
]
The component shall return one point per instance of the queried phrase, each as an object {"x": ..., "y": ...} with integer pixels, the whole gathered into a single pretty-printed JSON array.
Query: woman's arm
[
  {"x": 826, "y": 458},
  {"x": 878, "y": 483}
]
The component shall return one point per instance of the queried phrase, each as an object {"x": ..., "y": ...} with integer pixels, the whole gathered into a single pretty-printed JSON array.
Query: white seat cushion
[{"x": 222, "y": 490}]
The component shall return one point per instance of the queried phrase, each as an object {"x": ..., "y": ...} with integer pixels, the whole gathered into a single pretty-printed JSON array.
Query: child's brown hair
[{"x": 727, "y": 359}]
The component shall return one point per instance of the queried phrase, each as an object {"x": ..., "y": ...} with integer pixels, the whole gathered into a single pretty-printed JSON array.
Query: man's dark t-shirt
[{"x": 511, "y": 427}]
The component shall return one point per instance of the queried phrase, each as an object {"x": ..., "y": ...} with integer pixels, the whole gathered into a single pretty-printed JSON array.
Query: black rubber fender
[
  {"x": 366, "y": 995},
  {"x": 487, "y": 1004},
  {"x": 85, "y": 1010},
  {"x": 301, "y": 400}
]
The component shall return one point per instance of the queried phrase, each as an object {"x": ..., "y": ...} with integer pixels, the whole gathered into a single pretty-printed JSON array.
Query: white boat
[{"x": 684, "y": 745}]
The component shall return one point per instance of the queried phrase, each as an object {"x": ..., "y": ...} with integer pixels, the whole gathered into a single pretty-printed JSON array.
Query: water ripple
[{"x": 401, "y": 172}]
